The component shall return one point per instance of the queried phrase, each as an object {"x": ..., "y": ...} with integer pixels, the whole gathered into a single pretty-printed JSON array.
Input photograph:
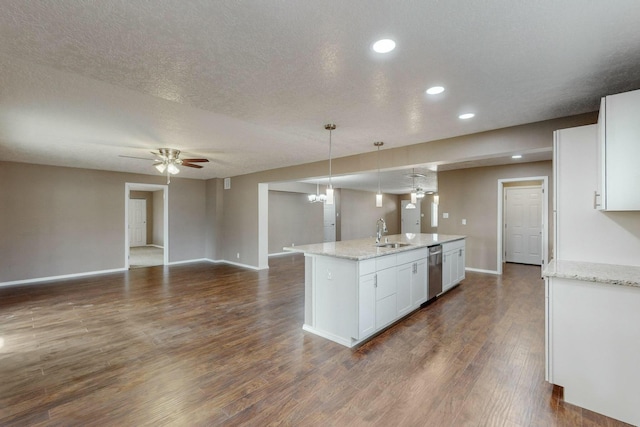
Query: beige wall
[
  {"x": 158, "y": 218},
  {"x": 59, "y": 221},
  {"x": 240, "y": 221},
  {"x": 359, "y": 214},
  {"x": 67, "y": 220},
  {"x": 472, "y": 194},
  {"x": 293, "y": 220}
]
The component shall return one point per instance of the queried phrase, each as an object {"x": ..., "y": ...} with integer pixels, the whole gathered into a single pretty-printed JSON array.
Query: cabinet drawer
[
  {"x": 367, "y": 266},
  {"x": 412, "y": 256},
  {"x": 387, "y": 261},
  {"x": 450, "y": 246}
]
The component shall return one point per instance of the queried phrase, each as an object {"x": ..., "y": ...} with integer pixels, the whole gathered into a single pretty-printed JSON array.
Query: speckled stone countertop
[
  {"x": 366, "y": 248},
  {"x": 625, "y": 275}
]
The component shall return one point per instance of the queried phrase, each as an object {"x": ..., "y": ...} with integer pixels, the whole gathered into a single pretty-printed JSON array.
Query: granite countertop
[
  {"x": 366, "y": 248},
  {"x": 625, "y": 275}
]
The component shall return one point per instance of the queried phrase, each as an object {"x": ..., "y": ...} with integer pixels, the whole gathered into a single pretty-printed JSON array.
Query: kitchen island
[{"x": 355, "y": 289}]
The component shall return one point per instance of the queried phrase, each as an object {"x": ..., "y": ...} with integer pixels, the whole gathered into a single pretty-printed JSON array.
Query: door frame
[
  {"x": 545, "y": 218},
  {"x": 132, "y": 186}
]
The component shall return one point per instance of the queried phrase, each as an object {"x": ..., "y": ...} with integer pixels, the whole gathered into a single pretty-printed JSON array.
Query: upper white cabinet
[{"x": 618, "y": 153}]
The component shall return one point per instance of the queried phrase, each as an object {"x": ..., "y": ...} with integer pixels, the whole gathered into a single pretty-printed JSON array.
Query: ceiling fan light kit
[{"x": 168, "y": 159}]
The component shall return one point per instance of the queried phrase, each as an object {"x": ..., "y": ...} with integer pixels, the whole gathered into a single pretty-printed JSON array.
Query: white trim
[
  {"x": 157, "y": 246},
  {"x": 327, "y": 335},
  {"x": 263, "y": 226},
  {"x": 63, "y": 276},
  {"x": 237, "y": 264},
  {"x": 188, "y": 261},
  {"x": 282, "y": 253},
  {"x": 128, "y": 187},
  {"x": 545, "y": 218},
  {"x": 479, "y": 270}
]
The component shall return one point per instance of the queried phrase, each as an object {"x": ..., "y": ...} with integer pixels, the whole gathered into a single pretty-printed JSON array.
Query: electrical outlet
[
  {"x": 238, "y": 255},
  {"x": 464, "y": 222},
  {"x": 329, "y": 275}
]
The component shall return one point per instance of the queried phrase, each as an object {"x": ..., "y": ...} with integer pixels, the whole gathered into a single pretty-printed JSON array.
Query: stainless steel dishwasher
[{"x": 435, "y": 271}]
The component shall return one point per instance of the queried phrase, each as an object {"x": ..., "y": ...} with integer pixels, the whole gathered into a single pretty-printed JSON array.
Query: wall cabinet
[
  {"x": 453, "y": 264},
  {"x": 618, "y": 153}
]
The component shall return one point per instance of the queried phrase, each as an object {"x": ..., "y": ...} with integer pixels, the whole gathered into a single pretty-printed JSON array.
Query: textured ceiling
[{"x": 250, "y": 84}]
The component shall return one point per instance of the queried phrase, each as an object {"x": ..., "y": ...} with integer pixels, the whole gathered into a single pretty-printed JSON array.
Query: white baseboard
[
  {"x": 281, "y": 253},
  {"x": 157, "y": 246},
  {"x": 237, "y": 264},
  {"x": 63, "y": 276},
  {"x": 189, "y": 261},
  {"x": 478, "y": 270}
]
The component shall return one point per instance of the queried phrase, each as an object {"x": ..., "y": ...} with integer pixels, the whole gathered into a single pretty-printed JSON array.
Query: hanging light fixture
[
  {"x": 378, "y": 144},
  {"x": 315, "y": 198},
  {"x": 414, "y": 195},
  {"x": 330, "y": 127}
]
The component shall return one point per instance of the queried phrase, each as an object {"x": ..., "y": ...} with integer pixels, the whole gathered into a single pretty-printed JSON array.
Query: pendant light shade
[
  {"x": 330, "y": 199},
  {"x": 414, "y": 197},
  {"x": 378, "y": 144}
]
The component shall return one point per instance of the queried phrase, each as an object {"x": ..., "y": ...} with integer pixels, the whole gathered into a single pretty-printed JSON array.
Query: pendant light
[
  {"x": 378, "y": 144},
  {"x": 314, "y": 198},
  {"x": 330, "y": 127},
  {"x": 414, "y": 196}
]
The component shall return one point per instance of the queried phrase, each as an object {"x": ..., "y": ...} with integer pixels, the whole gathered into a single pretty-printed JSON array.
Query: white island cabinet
[{"x": 355, "y": 289}]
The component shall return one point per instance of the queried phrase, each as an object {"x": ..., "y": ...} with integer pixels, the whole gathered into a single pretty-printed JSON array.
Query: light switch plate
[
  {"x": 464, "y": 222},
  {"x": 445, "y": 215}
]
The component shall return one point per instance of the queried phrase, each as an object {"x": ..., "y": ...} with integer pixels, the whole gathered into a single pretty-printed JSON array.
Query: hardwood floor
[{"x": 207, "y": 344}]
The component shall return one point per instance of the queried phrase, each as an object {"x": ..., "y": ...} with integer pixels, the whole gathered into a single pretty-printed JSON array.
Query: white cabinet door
[
  {"x": 461, "y": 263},
  {"x": 404, "y": 285},
  {"x": 446, "y": 271},
  {"x": 386, "y": 307},
  {"x": 367, "y": 306},
  {"x": 419, "y": 283},
  {"x": 621, "y": 152}
]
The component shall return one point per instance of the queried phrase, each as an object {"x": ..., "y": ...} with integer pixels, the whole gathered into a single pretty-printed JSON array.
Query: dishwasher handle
[{"x": 435, "y": 253}]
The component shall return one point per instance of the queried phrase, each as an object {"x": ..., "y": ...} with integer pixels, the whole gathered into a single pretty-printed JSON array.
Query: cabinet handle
[
  {"x": 596, "y": 205},
  {"x": 375, "y": 281},
  {"x": 415, "y": 268},
  {"x": 460, "y": 253}
]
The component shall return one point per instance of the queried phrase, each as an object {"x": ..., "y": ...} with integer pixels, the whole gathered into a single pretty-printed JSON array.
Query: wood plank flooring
[{"x": 211, "y": 344}]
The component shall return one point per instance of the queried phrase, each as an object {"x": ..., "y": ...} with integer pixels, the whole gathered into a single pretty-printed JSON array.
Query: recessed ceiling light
[
  {"x": 466, "y": 116},
  {"x": 384, "y": 46},
  {"x": 435, "y": 90},
  {"x": 516, "y": 156}
]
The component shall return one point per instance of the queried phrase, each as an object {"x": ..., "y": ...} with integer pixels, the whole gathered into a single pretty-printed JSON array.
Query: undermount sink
[{"x": 392, "y": 245}]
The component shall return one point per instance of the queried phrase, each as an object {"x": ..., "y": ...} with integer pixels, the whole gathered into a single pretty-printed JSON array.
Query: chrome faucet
[{"x": 380, "y": 230}]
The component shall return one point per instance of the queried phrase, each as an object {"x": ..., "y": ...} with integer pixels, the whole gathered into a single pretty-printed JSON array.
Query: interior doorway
[
  {"x": 523, "y": 224},
  {"x": 409, "y": 218},
  {"x": 526, "y": 229},
  {"x": 146, "y": 225}
]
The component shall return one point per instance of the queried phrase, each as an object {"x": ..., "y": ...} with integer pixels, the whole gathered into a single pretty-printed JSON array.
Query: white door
[
  {"x": 410, "y": 218},
  {"x": 523, "y": 225},
  {"x": 329, "y": 223},
  {"x": 137, "y": 222}
]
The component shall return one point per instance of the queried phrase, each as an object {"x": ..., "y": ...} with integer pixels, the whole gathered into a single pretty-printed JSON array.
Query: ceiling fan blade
[
  {"x": 195, "y": 160},
  {"x": 189, "y": 165},
  {"x": 133, "y": 157}
]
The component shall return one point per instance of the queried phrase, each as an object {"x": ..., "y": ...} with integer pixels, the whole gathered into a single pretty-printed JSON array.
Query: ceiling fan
[{"x": 168, "y": 159}]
